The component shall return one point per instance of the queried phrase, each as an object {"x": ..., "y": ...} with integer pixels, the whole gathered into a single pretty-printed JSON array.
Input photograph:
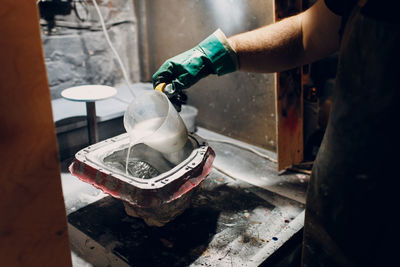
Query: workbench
[{"x": 244, "y": 212}]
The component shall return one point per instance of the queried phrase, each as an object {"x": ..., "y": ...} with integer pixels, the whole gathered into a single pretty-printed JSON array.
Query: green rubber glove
[{"x": 214, "y": 55}]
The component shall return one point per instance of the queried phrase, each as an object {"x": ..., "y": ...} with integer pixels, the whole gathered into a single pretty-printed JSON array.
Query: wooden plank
[
  {"x": 33, "y": 226},
  {"x": 289, "y": 102}
]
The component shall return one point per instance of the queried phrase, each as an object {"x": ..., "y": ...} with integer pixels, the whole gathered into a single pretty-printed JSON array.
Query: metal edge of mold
[
  {"x": 140, "y": 197},
  {"x": 89, "y": 156},
  {"x": 193, "y": 181},
  {"x": 192, "y": 162}
]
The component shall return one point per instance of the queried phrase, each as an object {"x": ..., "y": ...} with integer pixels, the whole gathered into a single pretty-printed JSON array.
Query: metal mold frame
[{"x": 144, "y": 193}]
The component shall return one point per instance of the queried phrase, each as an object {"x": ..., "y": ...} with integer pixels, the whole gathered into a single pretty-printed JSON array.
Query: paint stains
[{"x": 289, "y": 99}]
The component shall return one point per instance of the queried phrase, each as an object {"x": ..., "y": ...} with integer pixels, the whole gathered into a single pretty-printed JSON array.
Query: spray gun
[
  {"x": 168, "y": 89},
  {"x": 177, "y": 98}
]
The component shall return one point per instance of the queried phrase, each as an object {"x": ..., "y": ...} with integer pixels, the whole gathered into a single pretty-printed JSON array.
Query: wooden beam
[
  {"x": 33, "y": 226},
  {"x": 289, "y": 102}
]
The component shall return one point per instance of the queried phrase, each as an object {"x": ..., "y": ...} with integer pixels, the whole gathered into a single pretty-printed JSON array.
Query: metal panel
[{"x": 240, "y": 105}]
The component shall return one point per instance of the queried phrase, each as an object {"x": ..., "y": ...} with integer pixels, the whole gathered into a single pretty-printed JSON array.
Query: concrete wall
[{"x": 76, "y": 51}]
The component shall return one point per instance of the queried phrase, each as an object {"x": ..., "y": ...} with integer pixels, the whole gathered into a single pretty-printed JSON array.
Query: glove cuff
[{"x": 220, "y": 52}]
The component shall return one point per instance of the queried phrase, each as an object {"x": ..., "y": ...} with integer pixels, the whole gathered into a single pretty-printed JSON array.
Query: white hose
[{"x": 124, "y": 73}]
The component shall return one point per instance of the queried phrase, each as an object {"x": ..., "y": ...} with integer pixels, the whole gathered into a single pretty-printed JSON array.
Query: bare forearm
[
  {"x": 291, "y": 42},
  {"x": 272, "y": 48}
]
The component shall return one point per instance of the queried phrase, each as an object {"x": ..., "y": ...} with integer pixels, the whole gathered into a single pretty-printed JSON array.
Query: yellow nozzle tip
[{"x": 160, "y": 87}]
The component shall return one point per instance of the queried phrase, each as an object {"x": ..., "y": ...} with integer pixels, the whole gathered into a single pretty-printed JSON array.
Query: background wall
[
  {"x": 146, "y": 33},
  {"x": 240, "y": 105},
  {"x": 76, "y": 51}
]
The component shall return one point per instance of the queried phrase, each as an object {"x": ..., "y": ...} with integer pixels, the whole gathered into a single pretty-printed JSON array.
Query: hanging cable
[{"x": 124, "y": 73}]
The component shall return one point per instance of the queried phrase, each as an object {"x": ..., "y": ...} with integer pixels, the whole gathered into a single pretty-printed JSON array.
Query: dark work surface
[{"x": 178, "y": 243}]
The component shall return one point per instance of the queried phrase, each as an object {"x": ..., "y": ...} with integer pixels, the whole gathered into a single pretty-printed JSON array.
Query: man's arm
[
  {"x": 296, "y": 40},
  {"x": 291, "y": 42}
]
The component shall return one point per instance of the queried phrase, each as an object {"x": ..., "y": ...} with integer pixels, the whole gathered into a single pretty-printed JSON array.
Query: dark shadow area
[
  {"x": 64, "y": 164},
  {"x": 318, "y": 93},
  {"x": 289, "y": 255},
  {"x": 178, "y": 243}
]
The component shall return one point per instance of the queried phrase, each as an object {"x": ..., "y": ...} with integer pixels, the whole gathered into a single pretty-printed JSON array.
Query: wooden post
[
  {"x": 33, "y": 225},
  {"x": 289, "y": 102}
]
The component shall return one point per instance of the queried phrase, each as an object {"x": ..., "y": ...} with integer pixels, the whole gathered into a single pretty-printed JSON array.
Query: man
[{"x": 353, "y": 181}]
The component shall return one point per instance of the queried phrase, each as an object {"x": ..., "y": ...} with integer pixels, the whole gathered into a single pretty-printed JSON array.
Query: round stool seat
[{"x": 89, "y": 93}]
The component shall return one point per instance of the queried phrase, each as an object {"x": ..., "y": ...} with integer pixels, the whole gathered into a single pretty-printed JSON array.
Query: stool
[{"x": 90, "y": 94}]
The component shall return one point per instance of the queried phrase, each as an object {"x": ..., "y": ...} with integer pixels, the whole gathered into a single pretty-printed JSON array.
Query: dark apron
[{"x": 352, "y": 201}]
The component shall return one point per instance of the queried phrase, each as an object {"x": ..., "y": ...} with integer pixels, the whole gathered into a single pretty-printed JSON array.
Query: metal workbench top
[{"x": 244, "y": 213}]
